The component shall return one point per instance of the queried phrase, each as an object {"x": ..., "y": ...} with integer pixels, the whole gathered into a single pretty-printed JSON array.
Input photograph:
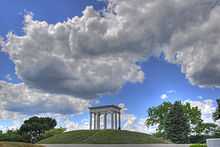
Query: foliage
[
  {"x": 207, "y": 128},
  {"x": 157, "y": 116},
  {"x": 217, "y": 133},
  {"x": 198, "y": 145},
  {"x": 177, "y": 127},
  {"x": 33, "y": 128},
  {"x": 40, "y": 128},
  {"x": 102, "y": 137},
  {"x": 216, "y": 114},
  {"x": 200, "y": 138},
  {"x": 11, "y": 135},
  {"x": 193, "y": 115}
]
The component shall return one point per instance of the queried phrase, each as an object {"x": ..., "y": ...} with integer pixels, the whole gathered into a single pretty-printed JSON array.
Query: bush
[
  {"x": 11, "y": 136},
  {"x": 198, "y": 145},
  {"x": 199, "y": 139}
]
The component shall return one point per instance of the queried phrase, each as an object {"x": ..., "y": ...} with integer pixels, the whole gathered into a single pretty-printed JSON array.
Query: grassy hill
[
  {"x": 102, "y": 137},
  {"x": 14, "y": 144}
]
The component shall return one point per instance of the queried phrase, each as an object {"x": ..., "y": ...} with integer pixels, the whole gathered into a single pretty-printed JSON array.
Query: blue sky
[{"x": 161, "y": 75}]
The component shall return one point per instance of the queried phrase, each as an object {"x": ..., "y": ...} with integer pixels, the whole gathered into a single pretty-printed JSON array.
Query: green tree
[
  {"x": 206, "y": 128},
  {"x": 34, "y": 127},
  {"x": 157, "y": 116},
  {"x": 177, "y": 127},
  {"x": 216, "y": 114}
]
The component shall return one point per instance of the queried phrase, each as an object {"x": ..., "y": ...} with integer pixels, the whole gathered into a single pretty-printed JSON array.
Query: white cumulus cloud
[
  {"x": 206, "y": 106},
  {"x": 97, "y": 53},
  {"x": 164, "y": 96},
  {"x": 18, "y": 98}
]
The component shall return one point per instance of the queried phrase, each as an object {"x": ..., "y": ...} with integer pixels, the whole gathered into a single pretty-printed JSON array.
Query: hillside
[
  {"x": 7, "y": 144},
  {"x": 102, "y": 137}
]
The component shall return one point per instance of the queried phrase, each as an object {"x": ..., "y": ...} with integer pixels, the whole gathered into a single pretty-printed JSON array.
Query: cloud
[
  {"x": 129, "y": 121},
  {"x": 171, "y": 91},
  {"x": 187, "y": 32},
  {"x": 196, "y": 48},
  {"x": 8, "y": 115},
  {"x": 207, "y": 108},
  {"x": 133, "y": 123},
  {"x": 1, "y": 42},
  {"x": 97, "y": 53},
  {"x": 123, "y": 107},
  {"x": 200, "y": 97},
  {"x": 12, "y": 126},
  {"x": 164, "y": 96},
  {"x": 80, "y": 57},
  {"x": 167, "y": 94},
  {"x": 18, "y": 98},
  {"x": 8, "y": 77},
  {"x": 63, "y": 121},
  {"x": 68, "y": 121}
]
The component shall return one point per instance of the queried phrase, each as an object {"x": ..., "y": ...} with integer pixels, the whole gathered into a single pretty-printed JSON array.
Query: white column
[
  {"x": 112, "y": 120},
  {"x": 105, "y": 120},
  {"x": 119, "y": 117},
  {"x": 90, "y": 126},
  {"x": 116, "y": 121},
  {"x": 95, "y": 121},
  {"x": 98, "y": 127}
]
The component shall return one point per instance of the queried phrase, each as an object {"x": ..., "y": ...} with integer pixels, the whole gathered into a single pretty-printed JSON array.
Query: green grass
[
  {"x": 15, "y": 144},
  {"x": 102, "y": 137},
  {"x": 198, "y": 145}
]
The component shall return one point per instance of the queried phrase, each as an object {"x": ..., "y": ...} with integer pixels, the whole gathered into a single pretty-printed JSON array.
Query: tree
[
  {"x": 177, "y": 127},
  {"x": 216, "y": 114},
  {"x": 157, "y": 116},
  {"x": 34, "y": 127},
  {"x": 11, "y": 135},
  {"x": 206, "y": 128}
]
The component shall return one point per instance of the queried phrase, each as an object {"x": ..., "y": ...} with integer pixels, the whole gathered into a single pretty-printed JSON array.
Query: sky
[{"x": 57, "y": 58}]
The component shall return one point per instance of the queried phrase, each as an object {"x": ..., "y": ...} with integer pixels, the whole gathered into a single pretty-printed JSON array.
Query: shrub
[
  {"x": 199, "y": 139},
  {"x": 198, "y": 145},
  {"x": 11, "y": 136}
]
